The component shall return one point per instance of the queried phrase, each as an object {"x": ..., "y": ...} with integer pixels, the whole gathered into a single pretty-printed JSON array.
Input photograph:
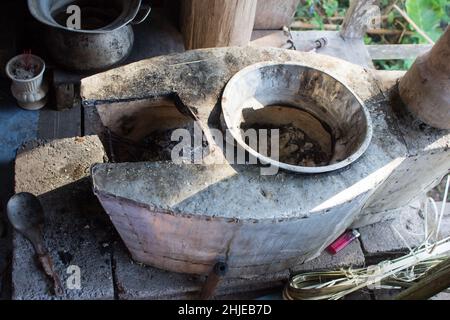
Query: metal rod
[{"x": 216, "y": 275}]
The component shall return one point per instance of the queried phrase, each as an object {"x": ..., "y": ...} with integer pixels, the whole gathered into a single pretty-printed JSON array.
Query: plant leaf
[{"x": 427, "y": 14}]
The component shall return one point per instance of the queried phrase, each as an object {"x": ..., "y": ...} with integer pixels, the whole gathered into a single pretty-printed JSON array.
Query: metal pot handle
[{"x": 143, "y": 13}]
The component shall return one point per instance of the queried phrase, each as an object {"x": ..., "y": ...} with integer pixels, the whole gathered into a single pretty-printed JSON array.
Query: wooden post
[
  {"x": 217, "y": 23},
  {"x": 357, "y": 18},
  {"x": 275, "y": 14},
  {"x": 425, "y": 89}
]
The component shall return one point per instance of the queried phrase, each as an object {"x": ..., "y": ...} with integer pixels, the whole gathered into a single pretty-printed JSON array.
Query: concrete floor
[{"x": 16, "y": 126}]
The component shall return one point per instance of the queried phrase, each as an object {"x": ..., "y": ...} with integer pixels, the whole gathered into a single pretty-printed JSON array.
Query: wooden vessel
[{"x": 425, "y": 89}]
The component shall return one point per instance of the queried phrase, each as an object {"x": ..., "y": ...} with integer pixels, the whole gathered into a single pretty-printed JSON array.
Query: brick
[{"x": 75, "y": 229}]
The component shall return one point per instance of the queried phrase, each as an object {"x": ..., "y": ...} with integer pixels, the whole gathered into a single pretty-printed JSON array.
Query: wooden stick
[
  {"x": 389, "y": 7},
  {"x": 340, "y": 18},
  {"x": 334, "y": 27},
  {"x": 304, "y": 25},
  {"x": 413, "y": 24},
  {"x": 396, "y": 51},
  {"x": 434, "y": 282}
]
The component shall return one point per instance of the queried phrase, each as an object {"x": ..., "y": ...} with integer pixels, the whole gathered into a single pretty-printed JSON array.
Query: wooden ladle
[{"x": 27, "y": 216}]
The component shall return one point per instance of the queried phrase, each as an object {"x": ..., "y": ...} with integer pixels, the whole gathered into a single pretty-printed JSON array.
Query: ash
[
  {"x": 295, "y": 146},
  {"x": 22, "y": 71},
  {"x": 157, "y": 146}
]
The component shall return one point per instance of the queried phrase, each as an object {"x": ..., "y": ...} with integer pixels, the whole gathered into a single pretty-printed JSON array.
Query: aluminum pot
[
  {"x": 87, "y": 51},
  {"x": 105, "y": 38}
]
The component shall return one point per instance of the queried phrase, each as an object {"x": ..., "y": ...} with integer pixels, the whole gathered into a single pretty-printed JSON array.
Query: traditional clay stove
[{"x": 185, "y": 218}]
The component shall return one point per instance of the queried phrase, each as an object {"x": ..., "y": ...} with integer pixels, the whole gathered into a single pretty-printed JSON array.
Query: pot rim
[
  {"x": 51, "y": 22},
  {"x": 299, "y": 169},
  {"x": 11, "y": 76}
]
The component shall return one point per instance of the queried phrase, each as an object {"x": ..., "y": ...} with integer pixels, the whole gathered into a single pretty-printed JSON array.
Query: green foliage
[
  {"x": 432, "y": 16},
  {"x": 393, "y": 64},
  {"x": 391, "y": 17},
  {"x": 317, "y": 11},
  {"x": 330, "y": 7},
  {"x": 368, "y": 40},
  {"x": 429, "y": 15}
]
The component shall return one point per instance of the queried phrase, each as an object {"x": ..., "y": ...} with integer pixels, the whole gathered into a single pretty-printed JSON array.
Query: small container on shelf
[{"x": 28, "y": 86}]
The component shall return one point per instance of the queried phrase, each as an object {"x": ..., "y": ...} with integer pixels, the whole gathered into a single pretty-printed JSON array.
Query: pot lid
[{"x": 46, "y": 10}]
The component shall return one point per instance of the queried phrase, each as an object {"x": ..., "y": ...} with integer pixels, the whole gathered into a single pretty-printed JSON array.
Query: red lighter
[{"x": 343, "y": 241}]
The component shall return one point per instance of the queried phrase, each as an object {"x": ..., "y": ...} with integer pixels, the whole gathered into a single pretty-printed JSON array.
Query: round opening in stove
[
  {"x": 94, "y": 14},
  {"x": 317, "y": 123}
]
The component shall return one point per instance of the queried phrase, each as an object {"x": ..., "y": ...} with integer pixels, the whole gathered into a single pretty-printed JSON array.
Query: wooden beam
[
  {"x": 334, "y": 27},
  {"x": 217, "y": 23},
  {"x": 397, "y": 51},
  {"x": 356, "y": 19}
]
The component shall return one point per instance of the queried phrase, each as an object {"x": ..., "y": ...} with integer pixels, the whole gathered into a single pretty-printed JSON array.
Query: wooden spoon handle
[{"x": 47, "y": 264}]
